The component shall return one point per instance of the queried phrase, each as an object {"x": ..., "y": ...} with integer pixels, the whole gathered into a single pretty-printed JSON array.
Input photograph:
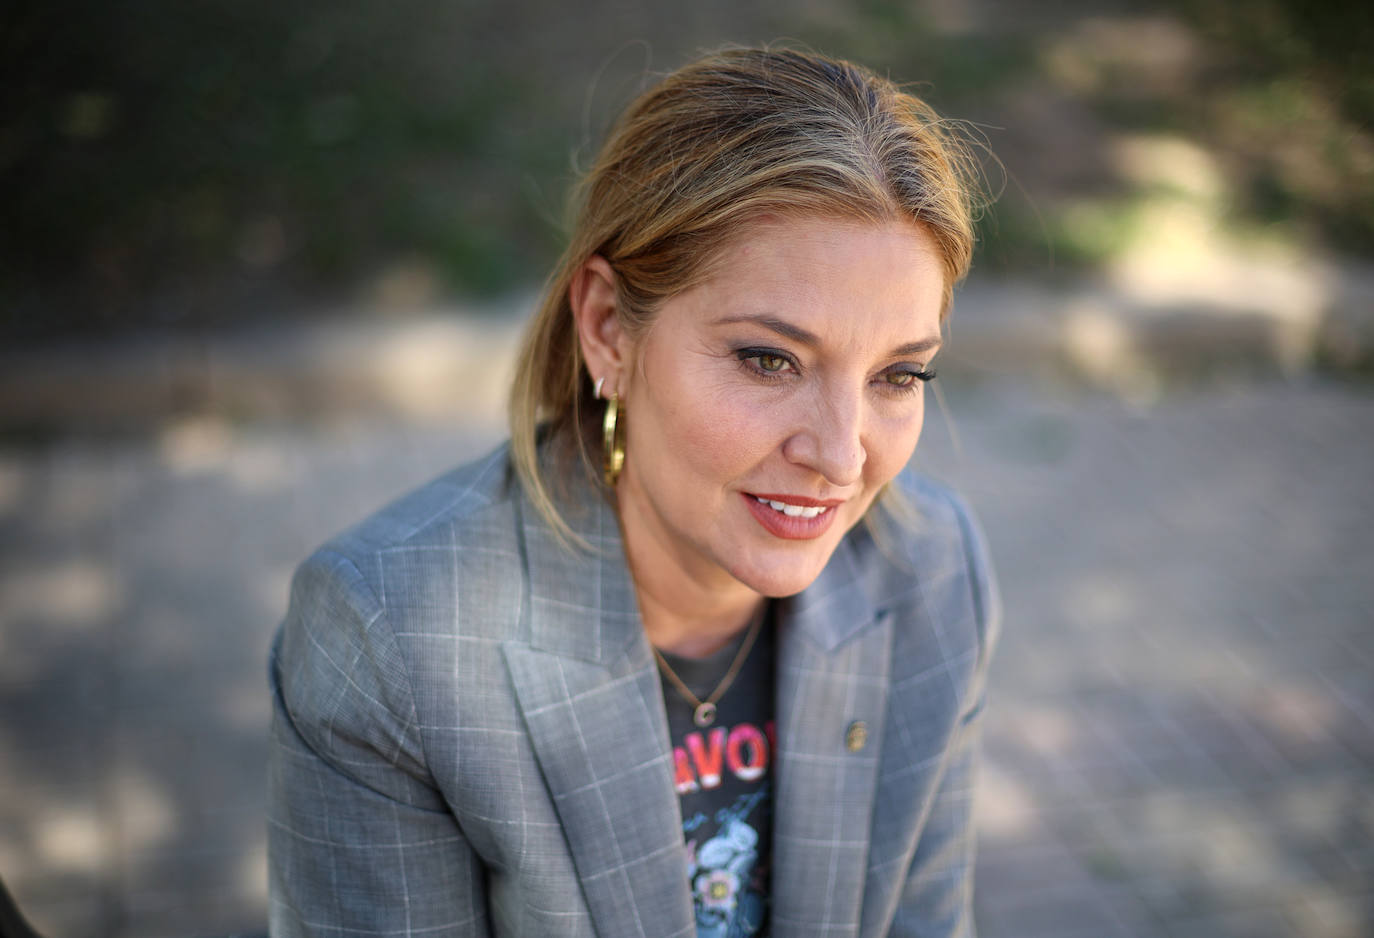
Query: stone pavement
[{"x": 1180, "y": 739}]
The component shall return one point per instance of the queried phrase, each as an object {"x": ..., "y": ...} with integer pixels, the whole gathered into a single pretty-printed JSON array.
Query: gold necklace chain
[{"x": 704, "y": 711}]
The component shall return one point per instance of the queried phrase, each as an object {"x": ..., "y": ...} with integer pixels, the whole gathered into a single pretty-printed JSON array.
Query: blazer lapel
[
  {"x": 588, "y": 688},
  {"x": 833, "y": 676}
]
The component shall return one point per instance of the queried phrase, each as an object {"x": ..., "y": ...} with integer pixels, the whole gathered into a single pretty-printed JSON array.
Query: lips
[{"x": 793, "y": 517}]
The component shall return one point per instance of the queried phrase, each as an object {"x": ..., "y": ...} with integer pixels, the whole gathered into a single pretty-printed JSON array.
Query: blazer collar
[
  {"x": 588, "y": 689},
  {"x": 582, "y": 600}
]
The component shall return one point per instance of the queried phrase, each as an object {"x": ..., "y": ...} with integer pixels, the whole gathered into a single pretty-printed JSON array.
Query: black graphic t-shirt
[{"x": 724, "y": 784}]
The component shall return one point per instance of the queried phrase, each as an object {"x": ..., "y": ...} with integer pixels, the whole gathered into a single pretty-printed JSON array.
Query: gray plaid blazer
[{"x": 469, "y": 733}]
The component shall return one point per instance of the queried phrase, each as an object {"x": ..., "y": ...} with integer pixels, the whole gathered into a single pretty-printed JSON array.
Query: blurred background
[{"x": 262, "y": 266}]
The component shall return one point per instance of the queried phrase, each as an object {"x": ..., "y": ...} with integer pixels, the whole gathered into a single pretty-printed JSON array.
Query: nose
[{"x": 830, "y": 440}]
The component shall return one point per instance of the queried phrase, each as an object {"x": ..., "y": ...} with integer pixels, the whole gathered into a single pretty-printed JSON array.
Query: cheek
[
  {"x": 724, "y": 434},
  {"x": 893, "y": 447},
  {"x": 692, "y": 427}
]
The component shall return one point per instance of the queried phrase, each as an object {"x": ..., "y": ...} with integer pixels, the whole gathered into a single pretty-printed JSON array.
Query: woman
[{"x": 704, "y": 686}]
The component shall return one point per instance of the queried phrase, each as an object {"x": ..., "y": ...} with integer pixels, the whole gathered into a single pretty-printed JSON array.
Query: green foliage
[
  {"x": 146, "y": 143},
  {"x": 1290, "y": 110},
  {"x": 1060, "y": 240},
  {"x": 175, "y": 162}
]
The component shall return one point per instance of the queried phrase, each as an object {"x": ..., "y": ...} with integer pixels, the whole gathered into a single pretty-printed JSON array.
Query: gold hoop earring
[{"x": 612, "y": 442}]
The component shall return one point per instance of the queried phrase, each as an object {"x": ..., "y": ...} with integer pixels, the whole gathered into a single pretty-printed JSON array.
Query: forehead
[
  {"x": 782, "y": 238},
  {"x": 826, "y": 271}
]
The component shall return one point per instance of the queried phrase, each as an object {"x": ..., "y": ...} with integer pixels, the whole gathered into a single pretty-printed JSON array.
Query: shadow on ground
[{"x": 1181, "y": 738}]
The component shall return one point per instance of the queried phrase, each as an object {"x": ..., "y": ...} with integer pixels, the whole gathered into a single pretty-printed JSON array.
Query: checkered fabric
[{"x": 469, "y": 734}]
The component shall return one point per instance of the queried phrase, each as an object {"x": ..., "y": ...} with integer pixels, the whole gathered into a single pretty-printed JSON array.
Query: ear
[{"x": 605, "y": 346}]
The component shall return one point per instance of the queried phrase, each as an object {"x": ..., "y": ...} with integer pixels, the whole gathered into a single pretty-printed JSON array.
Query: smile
[
  {"x": 793, "y": 511},
  {"x": 792, "y": 517}
]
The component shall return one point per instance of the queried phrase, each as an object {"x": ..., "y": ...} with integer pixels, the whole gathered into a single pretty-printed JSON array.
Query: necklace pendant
[{"x": 704, "y": 715}]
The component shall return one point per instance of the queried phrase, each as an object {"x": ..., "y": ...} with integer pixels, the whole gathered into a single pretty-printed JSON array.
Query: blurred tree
[
  {"x": 170, "y": 163},
  {"x": 1291, "y": 109}
]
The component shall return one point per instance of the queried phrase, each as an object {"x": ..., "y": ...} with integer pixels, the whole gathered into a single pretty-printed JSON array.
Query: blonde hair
[{"x": 721, "y": 142}]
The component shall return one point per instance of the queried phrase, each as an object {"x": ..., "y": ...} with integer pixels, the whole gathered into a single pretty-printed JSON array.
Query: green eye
[
  {"x": 904, "y": 379},
  {"x": 766, "y": 362}
]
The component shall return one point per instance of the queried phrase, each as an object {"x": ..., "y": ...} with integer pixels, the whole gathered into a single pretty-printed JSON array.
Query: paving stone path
[{"x": 1180, "y": 739}]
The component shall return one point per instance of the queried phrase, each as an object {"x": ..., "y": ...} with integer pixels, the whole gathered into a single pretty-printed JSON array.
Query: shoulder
[
  {"x": 440, "y": 559},
  {"x": 425, "y": 538},
  {"x": 384, "y": 616},
  {"x": 463, "y": 503},
  {"x": 944, "y": 524},
  {"x": 926, "y": 545}
]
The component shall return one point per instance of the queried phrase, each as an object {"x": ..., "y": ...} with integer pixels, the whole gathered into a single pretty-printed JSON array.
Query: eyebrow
[{"x": 805, "y": 337}]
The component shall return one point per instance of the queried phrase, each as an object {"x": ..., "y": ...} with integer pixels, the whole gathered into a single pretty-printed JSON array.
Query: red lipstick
[{"x": 792, "y": 527}]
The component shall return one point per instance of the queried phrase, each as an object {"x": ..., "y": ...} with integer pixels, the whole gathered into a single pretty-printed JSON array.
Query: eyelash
[{"x": 749, "y": 358}]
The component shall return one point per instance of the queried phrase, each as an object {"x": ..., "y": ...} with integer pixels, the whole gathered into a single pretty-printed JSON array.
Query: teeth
[{"x": 793, "y": 511}]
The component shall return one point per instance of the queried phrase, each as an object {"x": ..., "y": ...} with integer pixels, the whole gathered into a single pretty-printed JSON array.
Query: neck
[
  {"x": 689, "y": 607},
  {"x": 698, "y": 634}
]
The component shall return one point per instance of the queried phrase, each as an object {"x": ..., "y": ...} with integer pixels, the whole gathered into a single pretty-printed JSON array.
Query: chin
[{"x": 781, "y": 578}]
